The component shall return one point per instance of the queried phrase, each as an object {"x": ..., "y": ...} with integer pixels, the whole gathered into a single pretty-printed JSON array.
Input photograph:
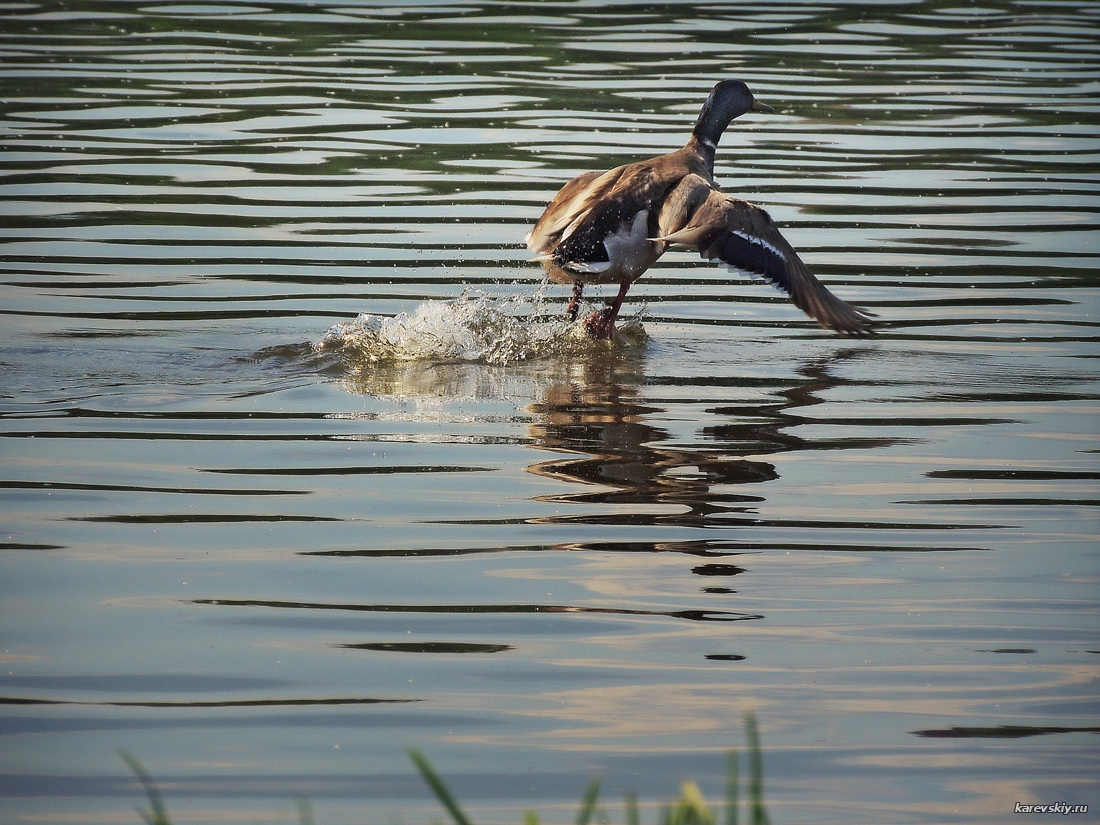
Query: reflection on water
[
  {"x": 598, "y": 417},
  {"x": 266, "y": 559}
]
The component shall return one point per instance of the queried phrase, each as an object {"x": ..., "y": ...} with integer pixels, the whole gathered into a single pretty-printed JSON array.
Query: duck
[{"x": 610, "y": 227}]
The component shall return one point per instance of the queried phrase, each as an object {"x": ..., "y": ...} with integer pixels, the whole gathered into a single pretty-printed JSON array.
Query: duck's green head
[{"x": 727, "y": 100}]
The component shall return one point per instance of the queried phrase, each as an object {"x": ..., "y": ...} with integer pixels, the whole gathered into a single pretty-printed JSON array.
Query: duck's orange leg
[
  {"x": 601, "y": 324},
  {"x": 575, "y": 301}
]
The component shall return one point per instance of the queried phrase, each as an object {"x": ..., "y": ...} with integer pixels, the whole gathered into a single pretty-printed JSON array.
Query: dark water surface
[{"x": 265, "y": 547}]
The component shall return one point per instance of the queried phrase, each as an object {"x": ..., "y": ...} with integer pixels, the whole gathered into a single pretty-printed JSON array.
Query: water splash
[{"x": 475, "y": 327}]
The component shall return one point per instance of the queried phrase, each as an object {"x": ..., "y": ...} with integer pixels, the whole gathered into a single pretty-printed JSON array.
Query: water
[{"x": 303, "y": 466}]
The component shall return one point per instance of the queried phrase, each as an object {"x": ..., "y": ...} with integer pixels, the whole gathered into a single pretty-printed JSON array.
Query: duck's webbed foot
[{"x": 601, "y": 324}]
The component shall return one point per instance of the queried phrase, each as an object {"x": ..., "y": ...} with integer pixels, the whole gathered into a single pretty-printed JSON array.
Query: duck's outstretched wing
[{"x": 742, "y": 235}]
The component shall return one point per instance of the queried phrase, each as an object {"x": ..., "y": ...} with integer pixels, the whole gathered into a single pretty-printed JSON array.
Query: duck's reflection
[
  {"x": 622, "y": 456},
  {"x": 614, "y": 446}
]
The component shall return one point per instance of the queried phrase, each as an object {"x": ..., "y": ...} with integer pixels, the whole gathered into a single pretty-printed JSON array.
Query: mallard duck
[{"x": 610, "y": 227}]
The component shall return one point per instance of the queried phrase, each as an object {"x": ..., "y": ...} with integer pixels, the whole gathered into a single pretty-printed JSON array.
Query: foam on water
[{"x": 475, "y": 327}]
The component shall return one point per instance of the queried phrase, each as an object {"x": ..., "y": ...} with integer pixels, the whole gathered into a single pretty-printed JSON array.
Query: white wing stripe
[{"x": 760, "y": 242}]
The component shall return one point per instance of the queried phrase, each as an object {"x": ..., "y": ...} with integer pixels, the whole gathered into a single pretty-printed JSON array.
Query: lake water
[{"x": 265, "y": 547}]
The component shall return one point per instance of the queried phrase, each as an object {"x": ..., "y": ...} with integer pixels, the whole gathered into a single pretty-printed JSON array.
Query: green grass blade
[
  {"x": 158, "y": 814},
  {"x": 438, "y": 788},
  {"x": 632, "y": 815},
  {"x": 588, "y": 802},
  {"x": 732, "y": 789},
  {"x": 756, "y": 773}
]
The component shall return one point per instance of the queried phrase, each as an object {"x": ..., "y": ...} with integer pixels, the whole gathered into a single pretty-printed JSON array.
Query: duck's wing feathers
[
  {"x": 598, "y": 228},
  {"x": 572, "y": 203},
  {"x": 742, "y": 235}
]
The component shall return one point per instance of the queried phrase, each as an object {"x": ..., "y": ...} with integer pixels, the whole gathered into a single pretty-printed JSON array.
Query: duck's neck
[
  {"x": 708, "y": 131},
  {"x": 704, "y": 147},
  {"x": 709, "y": 125}
]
